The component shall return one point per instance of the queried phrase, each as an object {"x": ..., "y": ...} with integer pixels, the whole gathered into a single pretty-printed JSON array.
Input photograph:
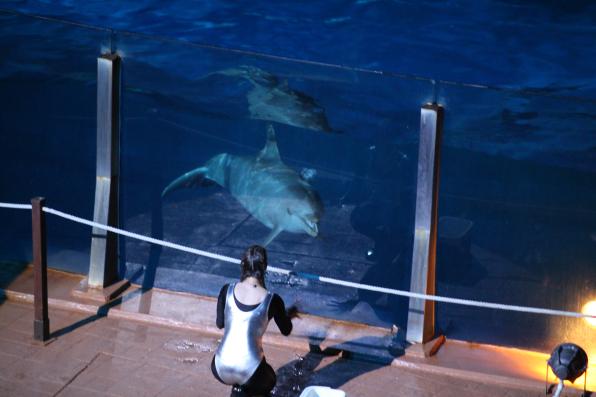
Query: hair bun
[{"x": 254, "y": 263}]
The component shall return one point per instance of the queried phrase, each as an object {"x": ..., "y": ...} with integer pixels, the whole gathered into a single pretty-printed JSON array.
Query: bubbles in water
[
  {"x": 308, "y": 173},
  {"x": 288, "y": 280},
  {"x": 292, "y": 263}
]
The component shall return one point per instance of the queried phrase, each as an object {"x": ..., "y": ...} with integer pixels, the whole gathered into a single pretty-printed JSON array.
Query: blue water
[
  {"x": 517, "y": 212},
  {"x": 547, "y": 45}
]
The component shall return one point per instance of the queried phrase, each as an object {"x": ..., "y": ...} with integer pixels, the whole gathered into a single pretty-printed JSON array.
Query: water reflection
[{"x": 271, "y": 98}]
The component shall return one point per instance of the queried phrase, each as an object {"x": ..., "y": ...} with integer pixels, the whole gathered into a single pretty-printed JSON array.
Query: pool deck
[{"x": 159, "y": 343}]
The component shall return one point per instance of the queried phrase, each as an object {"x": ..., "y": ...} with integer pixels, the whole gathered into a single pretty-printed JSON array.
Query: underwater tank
[{"x": 280, "y": 145}]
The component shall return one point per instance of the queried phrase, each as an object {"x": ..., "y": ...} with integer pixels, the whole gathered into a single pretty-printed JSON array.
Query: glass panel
[
  {"x": 348, "y": 138},
  {"x": 517, "y": 215},
  {"x": 47, "y": 144}
]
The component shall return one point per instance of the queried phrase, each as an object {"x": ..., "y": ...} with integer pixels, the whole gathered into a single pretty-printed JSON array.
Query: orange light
[{"x": 590, "y": 308}]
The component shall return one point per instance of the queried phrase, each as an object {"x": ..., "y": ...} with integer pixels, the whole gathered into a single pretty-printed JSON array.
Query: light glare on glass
[{"x": 590, "y": 308}]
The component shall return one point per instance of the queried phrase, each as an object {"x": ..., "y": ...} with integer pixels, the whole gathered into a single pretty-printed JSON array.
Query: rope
[
  {"x": 140, "y": 236},
  {"x": 309, "y": 276},
  {"x": 16, "y": 206}
]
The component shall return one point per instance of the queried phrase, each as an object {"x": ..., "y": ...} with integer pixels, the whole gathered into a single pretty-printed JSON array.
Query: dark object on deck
[
  {"x": 41, "y": 323},
  {"x": 568, "y": 361}
]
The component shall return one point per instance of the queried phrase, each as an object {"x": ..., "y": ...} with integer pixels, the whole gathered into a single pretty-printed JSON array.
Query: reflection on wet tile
[
  {"x": 31, "y": 375},
  {"x": 75, "y": 391}
]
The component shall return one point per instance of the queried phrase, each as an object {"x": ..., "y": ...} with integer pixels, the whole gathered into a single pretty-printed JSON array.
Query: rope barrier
[
  {"x": 309, "y": 276},
  {"x": 140, "y": 236},
  {"x": 16, "y": 206}
]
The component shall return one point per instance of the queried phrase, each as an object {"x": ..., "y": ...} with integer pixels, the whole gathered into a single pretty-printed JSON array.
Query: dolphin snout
[{"x": 312, "y": 228}]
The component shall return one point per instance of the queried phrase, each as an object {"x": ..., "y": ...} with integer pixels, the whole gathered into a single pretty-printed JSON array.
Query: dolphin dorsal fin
[{"x": 270, "y": 152}]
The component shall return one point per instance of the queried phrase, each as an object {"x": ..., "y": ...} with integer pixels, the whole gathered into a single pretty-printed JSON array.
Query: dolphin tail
[{"x": 196, "y": 177}]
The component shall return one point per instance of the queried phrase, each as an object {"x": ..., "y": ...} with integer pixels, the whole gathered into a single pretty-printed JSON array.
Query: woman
[{"x": 244, "y": 310}]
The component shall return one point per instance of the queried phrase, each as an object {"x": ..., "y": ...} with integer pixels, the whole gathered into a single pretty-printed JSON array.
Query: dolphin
[
  {"x": 271, "y": 99},
  {"x": 275, "y": 194}
]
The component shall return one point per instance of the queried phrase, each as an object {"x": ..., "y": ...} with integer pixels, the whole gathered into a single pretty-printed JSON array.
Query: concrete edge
[
  {"x": 331, "y": 332},
  {"x": 61, "y": 304},
  {"x": 379, "y": 330},
  {"x": 482, "y": 377}
]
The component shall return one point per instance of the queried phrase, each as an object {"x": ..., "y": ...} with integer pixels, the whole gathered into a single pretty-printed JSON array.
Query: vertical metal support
[
  {"x": 41, "y": 322},
  {"x": 103, "y": 267},
  {"x": 421, "y": 314}
]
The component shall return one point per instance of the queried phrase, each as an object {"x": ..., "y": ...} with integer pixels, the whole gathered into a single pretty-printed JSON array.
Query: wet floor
[{"x": 103, "y": 356}]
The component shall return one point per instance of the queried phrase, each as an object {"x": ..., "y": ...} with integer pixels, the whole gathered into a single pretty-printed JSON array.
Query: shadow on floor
[
  {"x": 148, "y": 273},
  {"x": 148, "y": 279},
  {"x": 9, "y": 271},
  {"x": 102, "y": 311},
  {"x": 302, "y": 372}
]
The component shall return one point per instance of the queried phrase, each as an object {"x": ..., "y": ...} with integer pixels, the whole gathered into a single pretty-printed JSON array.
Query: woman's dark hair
[{"x": 254, "y": 264}]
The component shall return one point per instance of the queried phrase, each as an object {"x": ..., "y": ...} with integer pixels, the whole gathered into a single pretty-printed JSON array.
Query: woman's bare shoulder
[{"x": 249, "y": 295}]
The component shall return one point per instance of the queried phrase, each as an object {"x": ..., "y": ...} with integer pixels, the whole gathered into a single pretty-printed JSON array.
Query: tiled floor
[{"x": 102, "y": 356}]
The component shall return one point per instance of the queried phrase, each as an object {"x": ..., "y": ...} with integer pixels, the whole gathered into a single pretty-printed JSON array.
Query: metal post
[
  {"x": 103, "y": 267},
  {"x": 421, "y": 314},
  {"x": 41, "y": 322}
]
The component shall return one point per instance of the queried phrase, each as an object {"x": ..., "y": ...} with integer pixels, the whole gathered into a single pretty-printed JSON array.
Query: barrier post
[
  {"x": 41, "y": 322},
  {"x": 421, "y": 313},
  {"x": 103, "y": 266}
]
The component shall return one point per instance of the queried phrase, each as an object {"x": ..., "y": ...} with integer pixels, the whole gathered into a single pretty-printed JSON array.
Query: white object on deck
[{"x": 322, "y": 391}]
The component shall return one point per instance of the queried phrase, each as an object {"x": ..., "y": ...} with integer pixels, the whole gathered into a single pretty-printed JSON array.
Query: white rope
[
  {"x": 328, "y": 280},
  {"x": 457, "y": 301},
  {"x": 140, "y": 236},
  {"x": 16, "y": 206}
]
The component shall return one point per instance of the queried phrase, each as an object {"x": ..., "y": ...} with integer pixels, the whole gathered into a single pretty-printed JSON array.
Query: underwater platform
[{"x": 172, "y": 335}]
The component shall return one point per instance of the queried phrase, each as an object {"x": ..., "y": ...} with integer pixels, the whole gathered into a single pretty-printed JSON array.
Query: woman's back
[{"x": 249, "y": 293}]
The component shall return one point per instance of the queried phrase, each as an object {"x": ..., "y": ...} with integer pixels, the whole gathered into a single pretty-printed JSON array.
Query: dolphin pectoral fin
[
  {"x": 196, "y": 177},
  {"x": 277, "y": 230}
]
